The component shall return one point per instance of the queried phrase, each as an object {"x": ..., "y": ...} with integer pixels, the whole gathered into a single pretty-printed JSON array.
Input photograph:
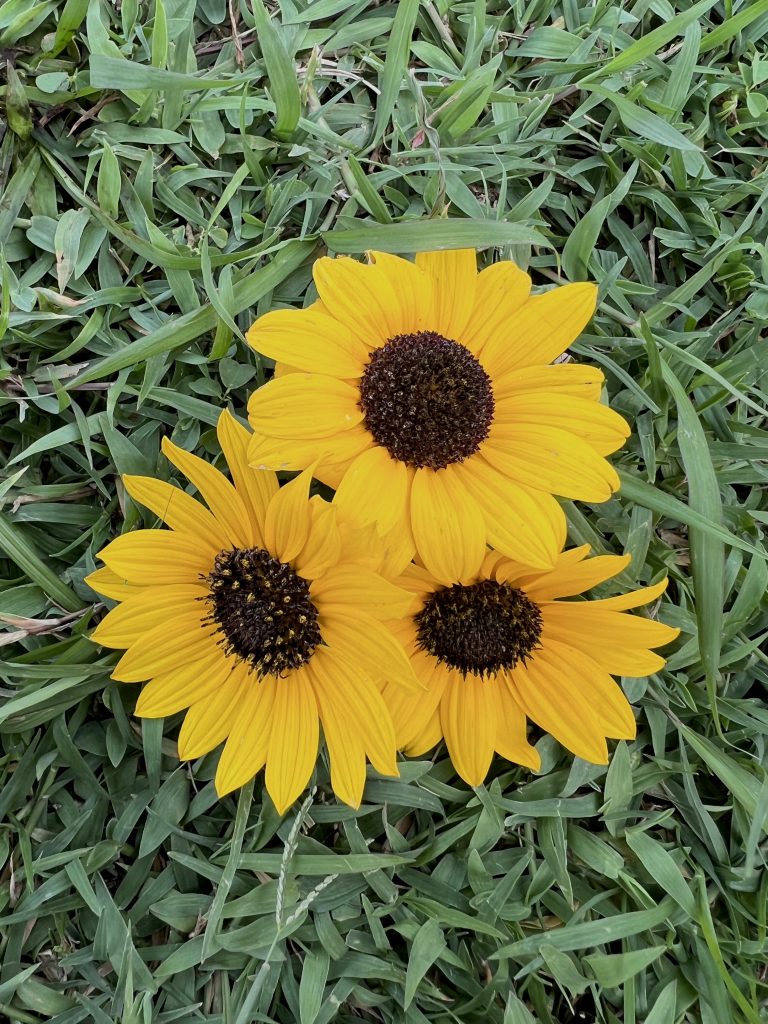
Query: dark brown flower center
[
  {"x": 426, "y": 399},
  {"x": 264, "y": 610},
  {"x": 479, "y": 629}
]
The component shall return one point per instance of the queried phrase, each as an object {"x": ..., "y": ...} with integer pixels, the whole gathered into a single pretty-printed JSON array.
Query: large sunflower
[
  {"x": 505, "y": 646},
  {"x": 424, "y": 393},
  {"x": 249, "y": 614}
]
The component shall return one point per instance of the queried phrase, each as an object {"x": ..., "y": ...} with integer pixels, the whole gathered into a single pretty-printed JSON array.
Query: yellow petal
[
  {"x": 182, "y": 686},
  {"x": 293, "y": 741},
  {"x": 374, "y": 489},
  {"x": 144, "y": 609},
  {"x": 501, "y": 291},
  {"x": 255, "y": 487},
  {"x": 219, "y": 494},
  {"x": 176, "y": 641},
  {"x": 358, "y": 295},
  {"x": 322, "y": 549},
  {"x": 575, "y": 579},
  {"x": 511, "y": 732},
  {"x": 591, "y": 684},
  {"x": 397, "y": 546},
  {"x": 552, "y": 460},
  {"x": 105, "y": 581},
  {"x": 346, "y": 751},
  {"x": 356, "y": 700},
  {"x": 304, "y": 406},
  {"x": 551, "y": 699},
  {"x": 365, "y": 641},
  {"x": 454, "y": 279},
  {"x": 209, "y": 721},
  {"x": 286, "y": 526},
  {"x": 468, "y": 720},
  {"x": 609, "y": 651},
  {"x": 633, "y": 599},
  {"x": 590, "y": 623},
  {"x": 412, "y": 310},
  {"x": 429, "y": 737},
  {"x": 525, "y": 524},
  {"x": 246, "y": 749},
  {"x": 412, "y": 711},
  {"x": 152, "y": 557},
  {"x": 599, "y": 426},
  {"x": 348, "y": 586},
  {"x": 574, "y": 379},
  {"x": 448, "y": 525},
  {"x": 176, "y": 508},
  {"x": 332, "y": 455},
  {"x": 310, "y": 341},
  {"x": 541, "y": 329}
]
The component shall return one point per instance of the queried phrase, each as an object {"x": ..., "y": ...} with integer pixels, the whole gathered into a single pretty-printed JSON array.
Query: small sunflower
[
  {"x": 248, "y": 614},
  {"x": 505, "y": 646},
  {"x": 424, "y": 393}
]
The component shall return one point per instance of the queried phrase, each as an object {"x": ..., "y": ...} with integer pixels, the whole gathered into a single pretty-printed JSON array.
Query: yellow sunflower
[
  {"x": 424, "y": 393},
  {"x": 248, "y": 614},
  {"x": 505, "y": 646}
]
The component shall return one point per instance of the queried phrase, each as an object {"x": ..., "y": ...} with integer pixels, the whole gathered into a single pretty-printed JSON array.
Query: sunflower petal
[
  {"x": 332, "y": 454},
  {"x": 286, "y": 525},
  {"x": 309, "y": 340},
  {"x": 525, "y": 524},
  {"x": 541, "y": 329},
  {"x": 552, "y": 460},
  {"x": 374, "y": 489},
  {"x": 246, "y": 749},
  {"x": 594, "y": 625},
  {"x": 633, "y": 599},
  {"x": 448, "y": 525},
  {"x": 413, "y": 288},
  {"x": 304, "y": 406},
  {"x": 550, "y": 698},
  {"x": 412, "y": 711},
  {"x": 346, "y": 586},
  {"x": 346, "y": 751},
  {"x": 428, "y": 738},
  {"x": 364, "y": 640},
  {"x": 591, "y": 684},
  {"x": 511, "y": 733},
  {"x": 209, "y": 721},
  {"x": 322, "y": 549},
  {"x": 255, "y": 487},
  {"x": 105, "y": 581},
  {"x": 176, "y": 508},
  {"x": 186, "y": 684},
  {"x": 599, "y": 426},
  {"x": 454, "y": 279},
  {"x": 468, "y": 720},
  {"x": 357, "y": 700},
  {"x": 574, "y": 379},
  {"x": 219, "y": 494},
  {"x": 575, "y": 579},
  {"x": 358, "y": 295},
  {"x": 152, "y": 557},
  {"x": 293, "y": 741},
  {"x": 502, "y": 289},
  {"x": 143, "y": 610},
  {"x": 178, "y": 640}
]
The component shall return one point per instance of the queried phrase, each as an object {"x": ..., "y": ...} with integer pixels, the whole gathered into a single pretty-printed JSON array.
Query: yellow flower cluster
[{"x": 430, "y": 598}]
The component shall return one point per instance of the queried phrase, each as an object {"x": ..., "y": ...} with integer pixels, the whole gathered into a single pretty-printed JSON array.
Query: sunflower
[
  {"x": 504, "y": 646},
  {"x": 424, "y": 393},
  {"x": 248, "y": 614}
]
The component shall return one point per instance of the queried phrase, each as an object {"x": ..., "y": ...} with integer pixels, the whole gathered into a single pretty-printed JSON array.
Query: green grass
[{"x": 155, "y": 199}]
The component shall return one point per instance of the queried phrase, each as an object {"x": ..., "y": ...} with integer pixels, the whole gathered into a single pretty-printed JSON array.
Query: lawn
[{"x": 169, "y": 170}]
